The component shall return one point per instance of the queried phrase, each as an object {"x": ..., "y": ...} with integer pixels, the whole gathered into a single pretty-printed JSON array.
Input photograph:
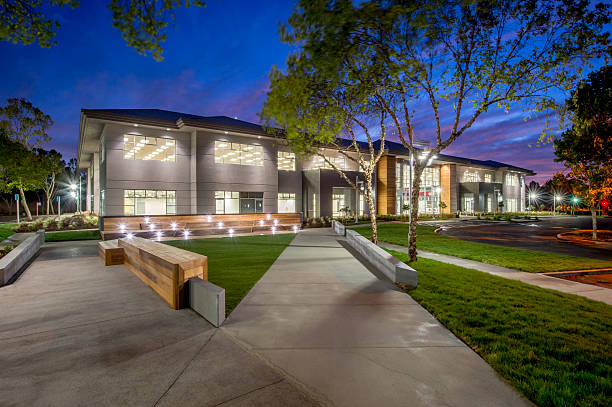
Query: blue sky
[{"x": 216, "y": 62}]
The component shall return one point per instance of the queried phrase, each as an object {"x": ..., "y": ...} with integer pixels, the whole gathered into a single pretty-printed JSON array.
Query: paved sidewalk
[
  {"x": 320, "y": 317},
  {"x": 76, "y": 333},
  {"x": 592, "y": 292}
]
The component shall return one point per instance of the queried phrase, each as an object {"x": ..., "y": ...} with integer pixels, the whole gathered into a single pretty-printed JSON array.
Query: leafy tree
[
  {"x": 142, "y": 23},
  {"x": 52, "y": 166},
  {"x": 586, "y": 147},
  {"x": 20, "y": 167},
  {"x": 25, "y": 123},
  {"x": 401, "y": 55}
]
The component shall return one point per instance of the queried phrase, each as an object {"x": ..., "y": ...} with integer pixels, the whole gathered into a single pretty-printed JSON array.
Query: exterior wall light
[
  {"x": 122, "y": 227},
  {"x": 159, "y": 235},
  {"x": 152, "y": 226},
  {"x": 209, "y": 218},
  {"x": 275, "y": 222},
  {"x": 261, "y": 222},
  {"x": 129, "y": 235},
  {"x": 268, "y": 217},
  {"x": 186, "y": 234},
  {"x": 231, "y": 232},
  {"x": 147, "y": 219},
  {"x": 273, "y": 229},
  {"x": 295, "y": 228},
  {"x": 220, "y": 225},
  {"x": 173, "y": 225}
]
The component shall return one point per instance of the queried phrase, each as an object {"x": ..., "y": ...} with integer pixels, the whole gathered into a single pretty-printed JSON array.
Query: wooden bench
[
  {"x": 164, "y": 268},
  {"x": 110, "y": 252}
]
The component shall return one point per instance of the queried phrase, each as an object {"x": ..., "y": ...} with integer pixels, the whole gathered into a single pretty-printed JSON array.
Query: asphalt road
[{"x": 533, "y": 235}]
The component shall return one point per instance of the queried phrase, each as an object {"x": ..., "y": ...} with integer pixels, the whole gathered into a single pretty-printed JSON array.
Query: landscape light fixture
[
  {"x": 268, "y": 217},
  {"x": 295, "y": 228},
  {"x": 129, "y": 236},
  {"x": 231, "y": 232},
  {"x": 275, "y": 222},
  {"x": 261, "y": 222},
  {"x": 152, "y": 226},
  {"x": 220, "y": 225},
  {"x": 186, "y": 234},
  {"x": 122, "y": 227},
  {"x": 147, "y": 219},
  {"x": 273, "y": 230},
  {"x": 209, "y": 218},
  {"x": 173, "y": 225}
]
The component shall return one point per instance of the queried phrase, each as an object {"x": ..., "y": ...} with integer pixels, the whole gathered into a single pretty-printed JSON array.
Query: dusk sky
[{"x": 217, "y": 61}]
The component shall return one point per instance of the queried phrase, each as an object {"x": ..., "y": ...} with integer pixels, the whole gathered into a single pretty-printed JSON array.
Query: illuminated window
[
  {"x": 511, "y": 180},
  {"x": 286, "y": 202},
  {"x": 338, "y": 207},
  {"x": 236, "y": 153},
  {"x": 512, "y": 205},
  {"x": 318, "y": 162},
  {"x": 286, "y": 161},
  {"x": 149, "y": 202},
  {"x": 137, "y": 147},
  {"x": 488, "y": 178},
  {"x": 469, "y": 176},
  {"x": 229, "y": 202}
]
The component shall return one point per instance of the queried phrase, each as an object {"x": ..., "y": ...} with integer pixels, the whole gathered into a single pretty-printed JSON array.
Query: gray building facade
[{"x": 153, "y": 162}]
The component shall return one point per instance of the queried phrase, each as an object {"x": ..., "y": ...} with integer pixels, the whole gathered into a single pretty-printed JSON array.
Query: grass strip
[
  {"x": 237, "y": 263},
  {"x": 555, "y": 348},
  {"x": 519, "y": 259}
]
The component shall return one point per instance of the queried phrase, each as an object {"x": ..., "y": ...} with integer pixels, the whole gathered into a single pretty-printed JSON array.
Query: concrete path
[
  {"x": 592, "y": 292},
  {"x": 76, "y": 333},
  {"x": 350, "y": 339}
]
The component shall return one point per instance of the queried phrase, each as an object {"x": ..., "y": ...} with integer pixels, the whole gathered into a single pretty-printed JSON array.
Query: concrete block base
[{"x": 207, "y": 299}]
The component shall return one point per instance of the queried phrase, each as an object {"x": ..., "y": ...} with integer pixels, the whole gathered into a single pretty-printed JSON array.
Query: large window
[
  {"x": 471, "y": 176},
  {"x": 286, "y": 202},
  {"x": 488, "y": 178},
  {"x": 149, "y": 202},
  {"x": 338, "y": 203},
  {"x": 286, "y": 161},
  {"x": 137, "y": 147},
  {"x": 229, "y": 202},
  {"x": 467, "y": 202},
  {"x": 236, "y": 153},
  {"x": 512, "y": 205},
  {"x": 318, "y": 162},
  {"x": 511, "y": 180}
]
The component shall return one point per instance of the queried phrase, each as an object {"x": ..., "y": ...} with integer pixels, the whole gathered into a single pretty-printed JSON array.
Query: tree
[
  {"x": 20, "y": 167},
  {"x": 586, "y": 147},
  {"x": 326, "y": 91},
  {"x": 142, "y": 23},
  {"x": 465, "y": 57},
  {"x": 25, "y": 123},
  {"x": 52, "y": 166}
]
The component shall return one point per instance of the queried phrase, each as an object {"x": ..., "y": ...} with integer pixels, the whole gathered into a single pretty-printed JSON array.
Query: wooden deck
[{"x": 197, "y": 225}]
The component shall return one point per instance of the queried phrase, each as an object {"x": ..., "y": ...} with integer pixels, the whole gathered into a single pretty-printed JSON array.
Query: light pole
[
  {"x": 534, "y": 196},
  {"x": 73, "y": 194},
  {"x": 574, "y": 201}
]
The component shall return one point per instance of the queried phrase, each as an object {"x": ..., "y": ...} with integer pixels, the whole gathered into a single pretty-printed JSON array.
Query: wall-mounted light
[
  {"x": 273, "y": 230},
  {"x": 147, "y": 219},
  {"x": 231, "y": 232},
  {"x": 173, "y": 225},
  {"x": 209, "y": 218},
  {"x": 122, "y": 227},
  {"x": 268, "y": 217},
  {"x": 159, "y": 235},
  {"x": 220, "y": 225},
  {"x": 186, "y": 234},
  {"x": 261, "y": 222},
  {"x": 129, "y": 235},
  {"x": 295, "y": 228}
]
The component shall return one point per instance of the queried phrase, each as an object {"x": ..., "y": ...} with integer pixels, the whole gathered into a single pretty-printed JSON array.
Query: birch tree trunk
[
  {"x": 372, "y": 207},
  {"x": 25, "y": 204},
  {"x": 594, "y": 218}
]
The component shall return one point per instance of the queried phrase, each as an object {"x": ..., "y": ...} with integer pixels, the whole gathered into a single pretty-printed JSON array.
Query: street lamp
[
  {"x": 534, "y": 196},
  {"x": 574, "y": 202}
]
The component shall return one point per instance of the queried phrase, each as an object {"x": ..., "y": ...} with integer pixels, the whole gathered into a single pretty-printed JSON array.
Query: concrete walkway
[
  {"x": 349, "y": 339},
  {"x": 76, "y": 333},
  {"x": 592, "y": 292}
]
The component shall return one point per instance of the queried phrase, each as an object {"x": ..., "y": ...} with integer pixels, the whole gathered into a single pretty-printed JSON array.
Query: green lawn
[
  {"x": 237, "y": 263},
  {"x": 555, "y": 348},
  {"x": 519, "y": 259},
  {"x": 66, "y": 235},
  {"x": 6, "y": 229}
]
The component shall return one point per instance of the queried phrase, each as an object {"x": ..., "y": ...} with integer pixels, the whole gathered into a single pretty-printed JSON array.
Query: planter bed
[{"x": 16, "y": 259}]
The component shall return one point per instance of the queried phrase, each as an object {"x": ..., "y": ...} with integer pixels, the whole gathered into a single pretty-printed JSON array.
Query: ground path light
[
  {"x": 295, "y": 228},
  {"x": 173, "y": 225},
  {"x": 220, "y": 225},
  {"x": 122, "y": 227},
  {"x": 186, "y": 234},
  {"x": 129, "y": 236},
  {"x": 147, "y": 219},
  {"x": 231, "y": 232},
  {"x": 159, "y": 235},
  {"x": 261, "y": 222},
  {"x": 273, "y": 230}
]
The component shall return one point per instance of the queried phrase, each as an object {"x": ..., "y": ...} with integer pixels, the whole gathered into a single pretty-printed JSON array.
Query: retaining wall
[{"x": 13, "y": 262}]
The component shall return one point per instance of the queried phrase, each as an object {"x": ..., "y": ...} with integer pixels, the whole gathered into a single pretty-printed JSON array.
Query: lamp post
[
  {"x": 534, "y": 196},
  {"x": 574, "y": 201},
  {"x": 73, "y": 193}
]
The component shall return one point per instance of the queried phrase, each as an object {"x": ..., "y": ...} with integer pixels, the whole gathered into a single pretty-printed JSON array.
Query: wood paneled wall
[{"x": 385, "y": 185}]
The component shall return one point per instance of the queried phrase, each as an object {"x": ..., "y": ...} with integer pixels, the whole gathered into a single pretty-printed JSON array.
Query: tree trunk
[
  {"x": 25, "y": 204},
  {"x": 371, "y": 206},
  {"x": 594, "y": 218},
  {"x": 414, "y": 216}
]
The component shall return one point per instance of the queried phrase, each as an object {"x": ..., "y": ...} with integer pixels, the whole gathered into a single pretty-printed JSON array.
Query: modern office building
[{"x": 156, "y": 162}]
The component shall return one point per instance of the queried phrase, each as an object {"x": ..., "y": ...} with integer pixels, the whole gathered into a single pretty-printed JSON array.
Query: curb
[{"x": 565, "y": 238}]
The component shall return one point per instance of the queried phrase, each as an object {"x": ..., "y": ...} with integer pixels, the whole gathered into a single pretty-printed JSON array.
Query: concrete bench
[
  {"x": 162, "y": 267},
  {"x": 16, "y": 259},
  {"x": 110, "y": 252},
  {"x": 391, "y": 267},
  {"x": 207, "y": 299}
]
